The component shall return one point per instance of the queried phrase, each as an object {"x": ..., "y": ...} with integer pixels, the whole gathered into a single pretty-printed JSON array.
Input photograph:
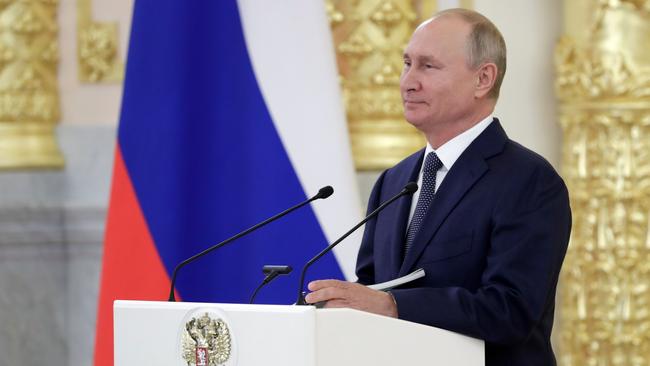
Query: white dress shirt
[{"x": 448, "y": 153}]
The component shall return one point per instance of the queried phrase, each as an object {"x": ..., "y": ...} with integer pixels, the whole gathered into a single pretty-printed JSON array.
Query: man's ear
[{"x": 486, "y": 75}]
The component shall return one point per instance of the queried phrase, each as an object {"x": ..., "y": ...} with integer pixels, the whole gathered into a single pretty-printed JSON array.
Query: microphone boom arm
[{"x": 322, "y": 193}]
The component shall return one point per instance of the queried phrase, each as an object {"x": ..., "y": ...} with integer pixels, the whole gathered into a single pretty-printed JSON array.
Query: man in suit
[{"x": 490, "y": 224}]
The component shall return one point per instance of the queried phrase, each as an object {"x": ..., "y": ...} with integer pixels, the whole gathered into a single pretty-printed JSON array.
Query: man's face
[{"x": 437, "y": 85}]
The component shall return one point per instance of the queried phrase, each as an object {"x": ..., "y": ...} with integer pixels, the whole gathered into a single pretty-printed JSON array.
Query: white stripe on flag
[{"x": 290, "y": 46}]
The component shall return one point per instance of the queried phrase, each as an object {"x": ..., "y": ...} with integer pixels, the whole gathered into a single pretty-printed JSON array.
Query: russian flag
[{"x": 231, "y": 113}]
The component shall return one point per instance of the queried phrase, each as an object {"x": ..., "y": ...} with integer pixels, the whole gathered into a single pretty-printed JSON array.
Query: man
[{"x": 491, "y": 221}]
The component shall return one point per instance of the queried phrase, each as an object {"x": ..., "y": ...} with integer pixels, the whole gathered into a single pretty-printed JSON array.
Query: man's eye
[{"x": 407, "y": 63}]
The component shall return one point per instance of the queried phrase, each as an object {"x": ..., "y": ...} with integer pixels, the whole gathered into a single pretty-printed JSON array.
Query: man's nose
[{"x": 409, "y": 81}]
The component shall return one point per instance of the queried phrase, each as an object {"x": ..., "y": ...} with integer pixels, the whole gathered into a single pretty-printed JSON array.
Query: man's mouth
[{"x": 411, "y": 102}]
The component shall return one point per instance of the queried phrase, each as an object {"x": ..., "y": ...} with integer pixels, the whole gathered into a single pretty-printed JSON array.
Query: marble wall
[{"x": 51, "y": 234}]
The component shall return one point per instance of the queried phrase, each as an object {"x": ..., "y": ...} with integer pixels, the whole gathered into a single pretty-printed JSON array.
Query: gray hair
[{"x": 484, "y": 44}]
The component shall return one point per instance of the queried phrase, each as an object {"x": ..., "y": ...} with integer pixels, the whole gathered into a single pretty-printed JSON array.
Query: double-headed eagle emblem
[{"x": 206, "y": 341}]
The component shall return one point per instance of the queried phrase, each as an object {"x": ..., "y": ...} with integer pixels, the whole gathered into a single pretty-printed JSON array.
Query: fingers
[
  {"x": 326, "y": 290},
  {"x": 325, "y": 294},
  {"x": 320, "y": 284}
]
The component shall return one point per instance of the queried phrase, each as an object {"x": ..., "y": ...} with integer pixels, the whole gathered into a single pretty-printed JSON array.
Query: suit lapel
[
  {"x": 409, "y": 174},
  {"x": 465, "y": 172}
]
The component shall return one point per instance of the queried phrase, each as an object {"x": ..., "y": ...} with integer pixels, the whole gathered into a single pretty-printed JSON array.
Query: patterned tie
[{"x": 427, "y": 192}]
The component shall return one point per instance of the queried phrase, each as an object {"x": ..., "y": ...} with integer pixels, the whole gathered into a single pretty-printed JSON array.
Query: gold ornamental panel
[
  {"x": 97, "y": 47},
  {"x": 603, "y": 85},
  {"x": 29, "y": 97}
]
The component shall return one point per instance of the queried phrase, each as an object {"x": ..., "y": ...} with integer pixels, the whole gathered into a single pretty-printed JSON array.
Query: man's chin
[{"x": 418, "y": 123}]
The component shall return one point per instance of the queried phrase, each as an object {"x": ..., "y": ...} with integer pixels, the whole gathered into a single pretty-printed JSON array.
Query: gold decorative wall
[
  {"x": 97, "y": 45},
  {"x": 603, "y": 85},
  {"x": 29, "y": 98}
]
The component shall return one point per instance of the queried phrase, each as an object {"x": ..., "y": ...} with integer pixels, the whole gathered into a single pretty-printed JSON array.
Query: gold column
[
  {"x": 603, "y": 84},
  {"x": 29, "y": 99}
]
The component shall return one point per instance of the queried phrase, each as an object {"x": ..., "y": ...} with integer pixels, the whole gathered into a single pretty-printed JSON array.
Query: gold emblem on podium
[{"x": 206, "y": 341}]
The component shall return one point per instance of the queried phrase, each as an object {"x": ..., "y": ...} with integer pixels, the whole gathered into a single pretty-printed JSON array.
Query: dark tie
[{"x": 427, "y": 192}]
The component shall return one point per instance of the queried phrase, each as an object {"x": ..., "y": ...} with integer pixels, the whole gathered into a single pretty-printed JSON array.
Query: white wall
[{"x": 527, "y": 106}]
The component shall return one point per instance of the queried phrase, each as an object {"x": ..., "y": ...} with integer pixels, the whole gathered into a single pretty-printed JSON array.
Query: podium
[{"x": 152, "y": 333}]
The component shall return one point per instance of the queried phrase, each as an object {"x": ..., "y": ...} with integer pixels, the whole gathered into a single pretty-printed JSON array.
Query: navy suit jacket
[{"x": 492, "y": 244}]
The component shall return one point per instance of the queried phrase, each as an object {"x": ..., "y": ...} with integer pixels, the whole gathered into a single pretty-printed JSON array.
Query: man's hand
[{"x": 342, "y": 294}]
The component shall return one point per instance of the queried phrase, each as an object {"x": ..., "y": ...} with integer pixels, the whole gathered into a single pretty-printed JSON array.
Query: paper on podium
[{"x": 385, "y": 286}]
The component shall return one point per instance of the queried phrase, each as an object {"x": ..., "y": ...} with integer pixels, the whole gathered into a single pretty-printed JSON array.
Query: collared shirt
[{"x": 448, "y": 153}]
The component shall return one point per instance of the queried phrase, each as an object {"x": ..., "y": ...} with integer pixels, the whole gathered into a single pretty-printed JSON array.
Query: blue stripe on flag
[{"x": 205, "y": 158}]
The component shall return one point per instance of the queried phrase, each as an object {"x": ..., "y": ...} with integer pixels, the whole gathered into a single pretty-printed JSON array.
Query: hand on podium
[{"x": 343, "y": 294}]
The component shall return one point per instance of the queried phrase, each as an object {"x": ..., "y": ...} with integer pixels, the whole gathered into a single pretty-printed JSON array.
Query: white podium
[{"x": 149, "y": 333}]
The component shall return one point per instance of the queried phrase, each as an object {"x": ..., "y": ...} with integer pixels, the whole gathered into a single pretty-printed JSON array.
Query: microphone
[
  {"x": 270, "y": 273},
  {"x": 322, "y": 194},
  {"x": 408, "y": 189}
]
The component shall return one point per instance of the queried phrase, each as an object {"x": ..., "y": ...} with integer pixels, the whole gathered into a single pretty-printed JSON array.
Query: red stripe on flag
[{"x": 131, "y": 266}]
